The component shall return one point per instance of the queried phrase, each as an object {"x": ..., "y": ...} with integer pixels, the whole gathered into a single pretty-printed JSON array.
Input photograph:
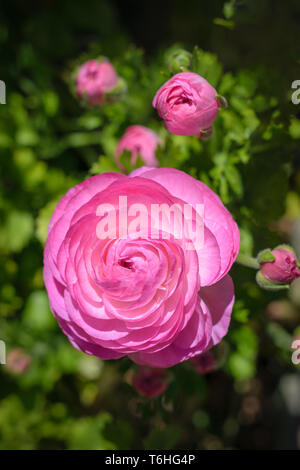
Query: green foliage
[
  {"x": 163, "y": 439},
  {"x": 241, "y": 361}
]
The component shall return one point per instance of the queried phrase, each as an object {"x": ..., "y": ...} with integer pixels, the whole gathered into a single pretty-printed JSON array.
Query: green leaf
[
  {"x": 82, "y": 139},
  {"x": 265, "y": 255},
  {"x": 234, "y": 179},
  {"x": 103, "y": 165},
  {"x": 163, "y": 439},
  {"x": 37, "y": 315},
  {"x": 241, "y": 368},
  {"x": 27, "y": 136},
  {"x": 17, "y": 231},
  {"x": 281, "y": 338},
  {"x": 51, "y": 102},
  {"x": 87, "y": 433},
  {"x": 206, "y": 65},
  {"x": 247, "y": 242},
  {"x": 226, "y": 23},
  {"x": 240, "y": 312},
  {"x": 228, "y": 9},
  {"x": 294, "y": 128},
  {"x": 43, "y": 220}
]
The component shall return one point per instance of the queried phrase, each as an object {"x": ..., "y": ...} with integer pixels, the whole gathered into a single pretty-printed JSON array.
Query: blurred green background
[{"x": 54, "y": 397}]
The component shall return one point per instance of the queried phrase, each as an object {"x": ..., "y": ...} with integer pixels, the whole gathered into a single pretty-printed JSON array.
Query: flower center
[
  {"x": 183, "y": 100},
  {"x": 178, "y": 96},
  {"x": 93, "y": 74},
  {"x": 126, "y": 263}
]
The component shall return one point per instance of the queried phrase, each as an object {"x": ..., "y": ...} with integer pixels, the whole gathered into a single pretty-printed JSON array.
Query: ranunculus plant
[
  {"x": 148, "y": 289},
  {"x": 138, "y": 265}
]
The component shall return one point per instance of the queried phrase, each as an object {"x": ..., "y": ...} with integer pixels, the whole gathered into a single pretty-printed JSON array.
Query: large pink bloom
[
  {"x": 138, "y": 140},
  {"x": 94, "y": 79},
  {"x": 151, "y": 299},
  {"x": 187, "y": 103}
]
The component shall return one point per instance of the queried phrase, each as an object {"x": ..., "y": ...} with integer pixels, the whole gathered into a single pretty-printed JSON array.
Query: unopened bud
[
  {"x": 282, "y": 269},
  {"x": 179, "y": 60}
]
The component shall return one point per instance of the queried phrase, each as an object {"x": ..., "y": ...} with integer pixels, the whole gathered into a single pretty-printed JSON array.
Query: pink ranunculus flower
[
  {"x": 94, "y": 79},
  {"x": 150, "y": 382},
  {"x": 283, "y": 270},
  {"x": 138, "y": 140},
  {"x": 149, "y": 298},
  {"x": 187, "y": 103}
]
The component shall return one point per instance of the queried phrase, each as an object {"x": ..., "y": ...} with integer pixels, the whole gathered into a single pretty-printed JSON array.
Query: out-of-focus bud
[
  {"x": 279, "y": 266},
  {"x": 138, "y": 140},
  {"x": 94, "y": 79},
  {"x": 178, "y": 60},
  {"x": 150, "y": 382},
  {"x": 17, "y": 361},
  {"x": 204, "y": 363}
]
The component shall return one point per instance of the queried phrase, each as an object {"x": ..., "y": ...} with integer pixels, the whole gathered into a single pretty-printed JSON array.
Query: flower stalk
[{"x": 246, "y": 260}]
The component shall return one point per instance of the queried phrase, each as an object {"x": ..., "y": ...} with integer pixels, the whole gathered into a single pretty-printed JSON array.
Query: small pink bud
[
  {"x": 150, "y": 382},
  {"x": 204, "y": 362},
  {"x": 94, "y": 79},
  {"x": 17, "y": 361},
  {"x": 283, "y": 269},
  {"x": 188, "y": 104},
  {"x": 138, "y": 140}
]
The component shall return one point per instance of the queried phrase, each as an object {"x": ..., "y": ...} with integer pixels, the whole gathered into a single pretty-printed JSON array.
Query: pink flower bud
[
  {"x": 150, "y": 382},
  {"x": 17, "y": 361},
  {"x": 204, "y": 362},
  {"x": 138, "y": 140},
  {"x": 283, "y": 269},
  {"x": 94, "y": 79},
  {"x": 187, "y": 103}
]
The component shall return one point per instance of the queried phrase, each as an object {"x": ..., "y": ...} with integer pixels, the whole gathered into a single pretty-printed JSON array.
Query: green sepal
[
  {"x": 222, "y": 100},
  {"x": 206, "y": 133},
  {"x": 265, "y": 256},
  {"x": 268, "y": 285}
]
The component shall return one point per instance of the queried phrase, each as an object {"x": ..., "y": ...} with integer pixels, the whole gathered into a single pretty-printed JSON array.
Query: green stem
[{"x": 248, "y": 261}]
